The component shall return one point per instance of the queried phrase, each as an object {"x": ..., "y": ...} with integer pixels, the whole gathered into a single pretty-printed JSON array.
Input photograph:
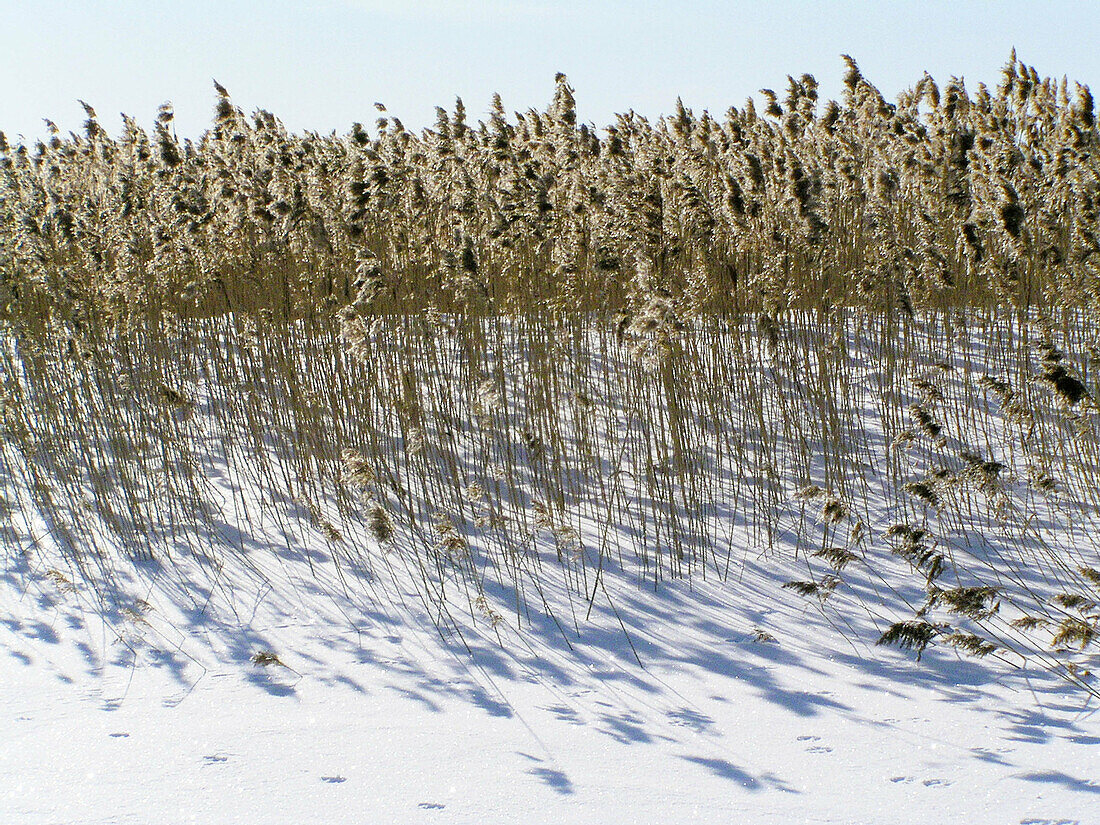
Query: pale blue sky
[{"x": 320, "y": 64}]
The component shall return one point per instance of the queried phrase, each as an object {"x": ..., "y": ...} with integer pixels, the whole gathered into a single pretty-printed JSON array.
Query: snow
[
  {"x": 266, "y": 673},
  {"x": 373, "y": 716}
]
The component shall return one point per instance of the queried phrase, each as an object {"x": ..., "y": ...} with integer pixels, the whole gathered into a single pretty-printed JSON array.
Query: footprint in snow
[
  {"x": 214, "y": 759},
  {"x": 432, "y": 806},
  {"x": 808, "y": 738},
  {"x": 120, "y": 736},
  {"x": 819, "y": 749},
  {"x": 334, "y": 780},
  {"x": 934, "y": 783}
]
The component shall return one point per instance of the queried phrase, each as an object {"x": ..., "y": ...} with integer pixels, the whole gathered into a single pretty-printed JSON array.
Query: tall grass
[{"x": 860, "y": 335}]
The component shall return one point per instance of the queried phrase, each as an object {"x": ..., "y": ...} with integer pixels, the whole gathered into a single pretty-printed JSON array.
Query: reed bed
[{"x": 860, "y": 336}]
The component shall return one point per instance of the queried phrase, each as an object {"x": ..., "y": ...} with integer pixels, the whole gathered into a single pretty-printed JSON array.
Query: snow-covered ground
[
  {"x": 748, "y": 708},
  {"x": 258, "y": 664}
]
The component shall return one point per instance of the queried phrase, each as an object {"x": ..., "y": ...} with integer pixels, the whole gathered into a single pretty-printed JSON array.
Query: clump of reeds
[{"x": 527, "y": 347}]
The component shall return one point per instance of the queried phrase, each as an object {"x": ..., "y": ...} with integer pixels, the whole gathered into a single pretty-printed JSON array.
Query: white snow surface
[
  {"x": 157, "y": 714},
  {"x": 710, "y": 701}
]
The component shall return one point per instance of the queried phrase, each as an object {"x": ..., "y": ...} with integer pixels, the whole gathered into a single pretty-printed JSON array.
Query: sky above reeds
[{"x": 321, "y": 64}]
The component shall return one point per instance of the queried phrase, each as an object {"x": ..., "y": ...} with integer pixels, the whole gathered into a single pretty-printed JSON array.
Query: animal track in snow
[{"x": 809, "y": 737}]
